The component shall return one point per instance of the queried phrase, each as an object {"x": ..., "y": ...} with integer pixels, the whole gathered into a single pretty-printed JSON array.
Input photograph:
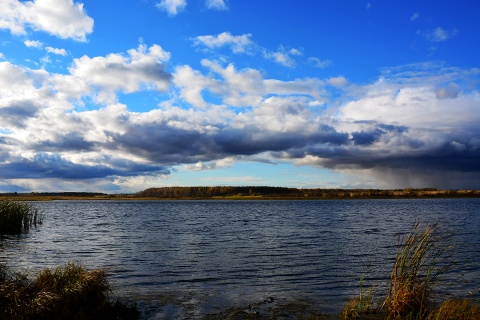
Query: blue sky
[{"x": 119, "y": 96}]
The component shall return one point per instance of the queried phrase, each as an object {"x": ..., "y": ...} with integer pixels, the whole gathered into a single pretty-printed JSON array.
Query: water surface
[{"x": 208, "y": 255}]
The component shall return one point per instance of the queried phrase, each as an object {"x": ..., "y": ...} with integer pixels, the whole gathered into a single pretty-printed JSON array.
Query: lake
[{"x": 185, "y": 259}]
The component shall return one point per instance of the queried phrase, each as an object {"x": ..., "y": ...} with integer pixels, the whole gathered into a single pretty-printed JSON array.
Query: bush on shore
[
  {"x": 17, "y": 217},
  {"x": 66, "y": 292}
]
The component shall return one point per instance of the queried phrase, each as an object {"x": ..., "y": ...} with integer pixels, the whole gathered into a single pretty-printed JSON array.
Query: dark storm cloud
[
  {"x": 372, "y": 135},
  {"x": 366, "y": 138},
  {"x": 54, "y": 166},
  {"x": 164, "y": 144},
  {"x": 452, "y": 156},
  {"x": 71, "y": 141},
  {"x": 253, "y": 140},
  {"x": 169, "y": 145}
]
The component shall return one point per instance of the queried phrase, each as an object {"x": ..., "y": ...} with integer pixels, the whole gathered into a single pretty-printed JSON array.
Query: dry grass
[
  {"x": 17, "y": 217},
  {"x": 361, "y": 307},
  {"x": 418, "y": 265},
  {"x": 67, "y": 292},
  {"x": 457, "y": 310},
  {"x": 420, "y": 262}
]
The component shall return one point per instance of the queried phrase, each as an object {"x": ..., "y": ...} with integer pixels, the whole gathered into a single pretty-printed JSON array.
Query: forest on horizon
[{"x": 250, "y": 192}]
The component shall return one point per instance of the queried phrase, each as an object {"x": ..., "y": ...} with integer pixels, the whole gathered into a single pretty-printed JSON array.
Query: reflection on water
[{"x": 213, "y": 254}]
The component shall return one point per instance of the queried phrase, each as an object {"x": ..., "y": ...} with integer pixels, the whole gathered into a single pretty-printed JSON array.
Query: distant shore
[{"x": 247, "y": 193}]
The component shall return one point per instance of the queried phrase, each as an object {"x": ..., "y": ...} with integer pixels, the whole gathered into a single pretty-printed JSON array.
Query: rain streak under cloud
[{"x": 74, "y": 125}]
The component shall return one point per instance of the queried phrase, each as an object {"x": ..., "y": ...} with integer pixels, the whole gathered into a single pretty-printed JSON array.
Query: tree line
[{"x": 283, "y": 192}]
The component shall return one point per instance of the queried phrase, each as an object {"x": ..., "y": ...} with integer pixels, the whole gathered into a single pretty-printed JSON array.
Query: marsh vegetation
[
  {"x": 423, "y": 257},
  {"x": 66, "y": 292},
  {"x": 18, "y": 217}
]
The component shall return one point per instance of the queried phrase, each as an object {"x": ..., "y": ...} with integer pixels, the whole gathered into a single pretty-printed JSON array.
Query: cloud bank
[{"x": 416, "y": 125}]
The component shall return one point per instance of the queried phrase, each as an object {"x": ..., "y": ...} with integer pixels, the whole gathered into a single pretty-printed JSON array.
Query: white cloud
[
  {"x": 216, "y": 4},
  {"x": 240, "y": 88},
  {"x": 415, "y": 105},
  {"x": 439, "y": 34},
  {"x": 414, "y": 16},
  {"x": 191, "y": 84},
  {"x": 141, "y": 69},
  {"x": 210, "y": 165},
  {"x": 321, "y": 64},
  {"x": 238, "y": 44},
  {"x": 33, "y": 44},
  {"x": 448, "y": 92},
  {"x": 172, "y": 7},
  {"x": 61, "y": 52},
  {"x": 283, "y": 56},
  {"x": 62, "y": 18},
  {"x": 18, "y": 84},
  {"x": 39, "y": 45},
  {"x": 337, "y": 81},
  {"x": 244, "y": 44}
]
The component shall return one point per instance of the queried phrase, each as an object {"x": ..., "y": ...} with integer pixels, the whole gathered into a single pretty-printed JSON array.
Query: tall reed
[
  {"x": 418, "y": 265},
  {"x": 17, "y": 217}
]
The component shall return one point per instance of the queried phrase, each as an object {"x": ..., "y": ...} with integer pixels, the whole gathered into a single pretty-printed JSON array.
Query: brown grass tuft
[
  {"x": 67, "y": 292},
  {"x": 456, "y": 309},
  {"x": 417, "y": 268}
]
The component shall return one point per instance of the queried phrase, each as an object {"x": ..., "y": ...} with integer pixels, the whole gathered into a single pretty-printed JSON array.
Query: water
[{"x": 185, "y": 259}]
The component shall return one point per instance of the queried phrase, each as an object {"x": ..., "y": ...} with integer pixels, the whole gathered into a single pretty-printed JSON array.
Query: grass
[
  {"x": 420, "y": 262},
  {"x": 66, "y": 292},
  {"x": 456, "y": 309},
  {"x": 361, "y": 306},
  {"x": 17, "y": 217}
]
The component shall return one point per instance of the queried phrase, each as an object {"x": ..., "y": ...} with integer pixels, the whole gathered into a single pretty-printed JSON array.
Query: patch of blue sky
[
  {"x": 259, "y": 174},
  {"x": 211, "y": 98},
  {"x": 143, "y": 101}
]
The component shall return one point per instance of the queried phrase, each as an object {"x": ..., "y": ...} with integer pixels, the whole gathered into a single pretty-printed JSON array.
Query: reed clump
[
  {"x": 419, "y": 263},
  {"x": 66, "y": 292},
  {"x": 18, "y": 217},
  {"x": 421, "y": 260}
]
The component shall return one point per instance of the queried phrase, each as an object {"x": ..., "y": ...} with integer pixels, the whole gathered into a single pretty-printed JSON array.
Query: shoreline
[{"x": 253, "y": 193}]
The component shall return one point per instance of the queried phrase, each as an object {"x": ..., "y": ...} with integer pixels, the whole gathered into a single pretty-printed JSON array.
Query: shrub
[{"x": 17, "y": 217}]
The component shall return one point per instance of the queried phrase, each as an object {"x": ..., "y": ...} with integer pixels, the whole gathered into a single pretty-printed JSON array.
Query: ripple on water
[{"x": 208, "y": 255}]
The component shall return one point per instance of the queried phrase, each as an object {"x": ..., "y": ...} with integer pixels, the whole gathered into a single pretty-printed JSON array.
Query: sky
[{"x": 120, "y": 96}]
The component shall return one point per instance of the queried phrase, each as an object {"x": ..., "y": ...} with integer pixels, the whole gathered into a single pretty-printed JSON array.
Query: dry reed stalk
[
  {"x": 456, "y": 309},
  {"x": 417, "y": 268}
]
